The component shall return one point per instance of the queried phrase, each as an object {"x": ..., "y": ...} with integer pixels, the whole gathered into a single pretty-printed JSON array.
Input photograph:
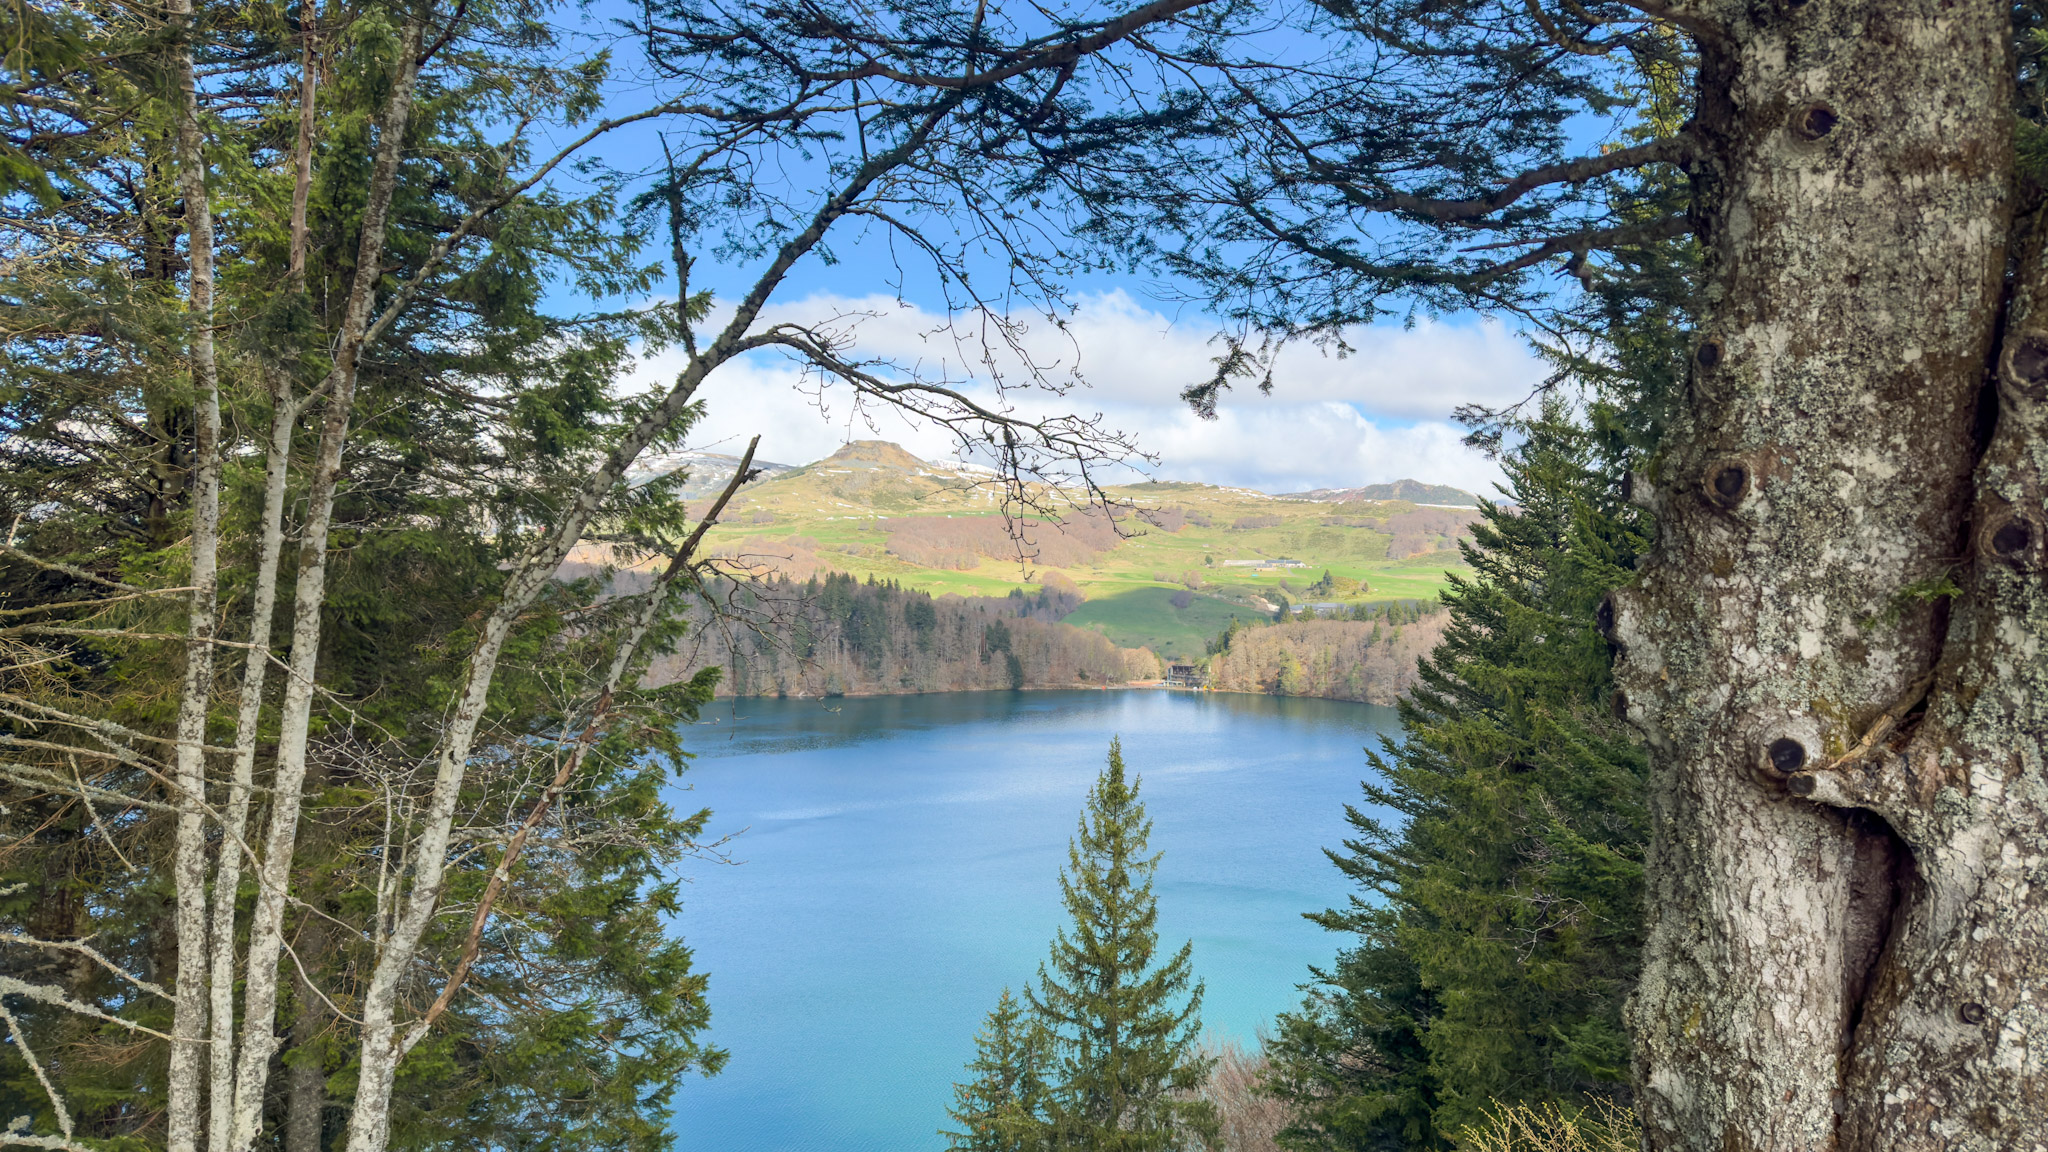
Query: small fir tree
[
  {"x": 1001, "y": 1108},
  {"x": 1121, "y": 1028}
]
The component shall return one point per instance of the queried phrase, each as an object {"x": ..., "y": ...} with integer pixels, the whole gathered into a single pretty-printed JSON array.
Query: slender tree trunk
[
  {"x": 259, "y": 1036},
  {"x": 302, "y": 168},
  {"x": 284, "y": 416},
  {"x": 652, "y": 605},
  {"x": 306, "y": 1086},
  {"x": 1853, "y": 206},
  {"x": 255, "y": 667},
  {"x": 196, "y": 691},
  {"x": 382, "y": 1044}
]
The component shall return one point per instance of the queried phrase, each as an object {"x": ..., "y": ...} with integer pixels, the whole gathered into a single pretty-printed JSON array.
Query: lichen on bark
[{"x": 1853, "y": 183}]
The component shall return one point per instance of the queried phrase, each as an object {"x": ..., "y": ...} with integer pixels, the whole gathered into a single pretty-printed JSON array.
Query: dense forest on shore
[
  {"x": 837, "y": 636},
  {"x": 1374, "y": 661}
]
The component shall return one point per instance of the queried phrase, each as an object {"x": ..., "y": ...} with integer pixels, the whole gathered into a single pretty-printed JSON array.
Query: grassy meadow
[{"x": 1199, "y": 556}]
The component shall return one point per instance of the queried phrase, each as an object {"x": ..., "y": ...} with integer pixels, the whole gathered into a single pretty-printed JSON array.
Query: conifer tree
[
  {"x": 1122, "y": 1028},
  {"x": 1499, "y": 924},
  {"x": 1000, "y": 1108}
]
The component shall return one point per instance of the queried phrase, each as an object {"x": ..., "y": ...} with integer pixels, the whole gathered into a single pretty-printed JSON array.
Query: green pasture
[
  {"x": 1144, "y": 617},
  {"x": 1130, "y": 588}
]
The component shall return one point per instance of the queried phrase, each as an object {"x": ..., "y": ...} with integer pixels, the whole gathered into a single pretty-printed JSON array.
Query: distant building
[{"x": 1184, "y": 675}]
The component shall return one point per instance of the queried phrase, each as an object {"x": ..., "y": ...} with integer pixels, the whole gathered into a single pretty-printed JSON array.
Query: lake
[{"x": 898, "y": 867}]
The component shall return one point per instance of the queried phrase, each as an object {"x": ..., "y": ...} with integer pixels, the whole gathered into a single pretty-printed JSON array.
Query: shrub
[
  {"x": 1165, "y": 519},
  {"x": 1248, "y": 1118},
  {"x": 1604, "y": 1127}
]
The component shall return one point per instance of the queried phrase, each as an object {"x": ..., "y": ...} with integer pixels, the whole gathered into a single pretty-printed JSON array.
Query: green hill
[
  {"x": 1414, "y": 491},
  {"x": 1168, "y": 573}
]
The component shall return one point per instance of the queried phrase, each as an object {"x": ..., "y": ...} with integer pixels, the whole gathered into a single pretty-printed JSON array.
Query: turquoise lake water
[{"x": 898, "y": 867}]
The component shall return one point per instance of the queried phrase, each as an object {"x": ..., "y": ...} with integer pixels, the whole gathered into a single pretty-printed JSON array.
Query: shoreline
[{"x": 1133, "y": 685}]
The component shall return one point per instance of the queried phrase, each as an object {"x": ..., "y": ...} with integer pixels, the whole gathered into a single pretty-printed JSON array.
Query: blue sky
[{"x": 1380, "y": 413}]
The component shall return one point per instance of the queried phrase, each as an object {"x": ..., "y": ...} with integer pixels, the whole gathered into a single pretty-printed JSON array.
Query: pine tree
[
  {"x": 1123, "y": 1029},
  {"x": 1499, "y": 925},
  {"x": 1000, "y": 1108}
]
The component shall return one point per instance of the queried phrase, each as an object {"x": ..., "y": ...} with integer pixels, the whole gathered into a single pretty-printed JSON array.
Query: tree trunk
[
  {"x": 284, "y": 418},
  {"x": 1805, "y": 982},
  {"x": 306, "y": 1086},
  {"x": 1949, "y": 1051},
  {"x": 195, "y": 694},
  {"x": 266, "y": 931}
]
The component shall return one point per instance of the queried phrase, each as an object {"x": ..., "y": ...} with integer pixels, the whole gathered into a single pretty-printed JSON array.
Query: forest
[
  {"x": 837, "y": 637},
  {"x": 348, "y": 651}
]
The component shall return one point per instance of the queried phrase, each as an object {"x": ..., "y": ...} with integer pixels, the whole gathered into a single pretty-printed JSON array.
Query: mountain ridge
[
  {"x": 1412, "y": 491},
  {"x": 890, "y": 454}
]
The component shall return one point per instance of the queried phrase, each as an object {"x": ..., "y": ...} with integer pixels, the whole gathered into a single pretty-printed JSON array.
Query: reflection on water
[{"x": 899, "y": 863}]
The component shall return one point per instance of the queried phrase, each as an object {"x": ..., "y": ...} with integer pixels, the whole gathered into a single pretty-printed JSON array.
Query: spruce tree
[
  {"x": 1122, "y": 1028},
  {"x": 1000, "y": 1108},
  {"x": 1498, "y": 925}
]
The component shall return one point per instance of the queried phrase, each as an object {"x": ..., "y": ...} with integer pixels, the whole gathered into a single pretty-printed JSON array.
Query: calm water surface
[{"x": 898, "y": 867}]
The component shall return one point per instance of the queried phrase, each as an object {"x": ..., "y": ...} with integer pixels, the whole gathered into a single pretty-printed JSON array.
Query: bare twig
[
  {"x": 91, "y": 603},
  {"x": 36, "y": 1066},
  {"x": 55, "y": 997},
  {"x": 93, "y": 954},
  {"x": 66, "y": 569}
]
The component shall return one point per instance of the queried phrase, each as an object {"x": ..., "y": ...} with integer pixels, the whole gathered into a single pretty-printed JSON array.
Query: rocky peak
[{"x": 875, "y": 452}]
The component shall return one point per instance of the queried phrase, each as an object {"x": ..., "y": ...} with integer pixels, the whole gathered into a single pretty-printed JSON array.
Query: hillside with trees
[
  {"x": 1373, "y": 660},
  {"x": 837, "y": 636}
]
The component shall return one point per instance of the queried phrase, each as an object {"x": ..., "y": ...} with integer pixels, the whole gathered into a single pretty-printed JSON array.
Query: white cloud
[{"x": 1378, "y": 413}]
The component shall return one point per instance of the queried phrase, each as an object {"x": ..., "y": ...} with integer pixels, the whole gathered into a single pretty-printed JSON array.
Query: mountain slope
[
  {"x": 1163, "y": 570},
  {"x": 1412, "y": 491}
]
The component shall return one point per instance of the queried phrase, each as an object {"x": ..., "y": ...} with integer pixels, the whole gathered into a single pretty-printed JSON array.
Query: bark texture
[
  {"x": 1854, "y": 177},
  {"x": 183, "y": 1079},
  {"x": 1951, "y": 1051}
]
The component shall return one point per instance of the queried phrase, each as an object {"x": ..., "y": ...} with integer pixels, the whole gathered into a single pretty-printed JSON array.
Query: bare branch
[
  {"x": 36, "y": 1066},
  {"x": 55, "y": 997},
  {"x": 66, "y": 569},
  {"x": 91, "y": 603},
  {"x": 29, "y": 776},
  {"x": 80, "y": 947},
  {"x": 1675, "y": 149}
]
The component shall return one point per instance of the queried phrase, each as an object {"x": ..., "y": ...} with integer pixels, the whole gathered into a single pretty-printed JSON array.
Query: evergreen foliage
[
  {"x": 1498, "y": 920},
  {"x": 1000, "y": 1108},
  {"x": 479, "y": 412},
  {"x": 834, "y": 635},
  {"x": 1103, "y": 1055}
]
